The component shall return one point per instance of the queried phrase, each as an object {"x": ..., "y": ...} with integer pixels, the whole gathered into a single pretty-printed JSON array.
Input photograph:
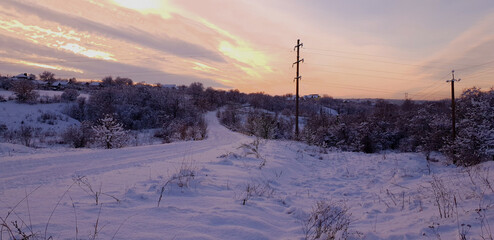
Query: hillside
[{"x": 206, "y": 183}]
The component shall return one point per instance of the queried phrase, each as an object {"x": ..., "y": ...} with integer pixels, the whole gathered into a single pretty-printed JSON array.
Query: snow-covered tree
[
  {"x": 475, "y": 128},
  {"x": 110, "y": 133}
]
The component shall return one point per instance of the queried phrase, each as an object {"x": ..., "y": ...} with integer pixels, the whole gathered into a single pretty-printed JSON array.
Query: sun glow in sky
[
  {"x": 359, "y": 49},
  {"x": 76, "y": 48},
  {"x": 146, "y": 6}
]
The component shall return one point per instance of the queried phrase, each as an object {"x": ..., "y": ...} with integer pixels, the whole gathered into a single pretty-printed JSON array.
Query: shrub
[
  {"x": 259, "y": 188},
  {"x": 192, "y": 128},
  {"x": 230, "y": 117},
  {"x": 77, "y": 110},
  {"x": 182, "y": 178},
  {"x": 49, "y": 99},
  {"x": 261, "y": 124},
  {"x": 443, "y": 197},
  {"x": 24, "y": 90},
  {"x": 69, "y": 95},
  {"x": 3, "y": 128},
  {"x": 327, "y": 221},
  {"x": 49, "y": 118},
  {"x": 78, "y": 136},
  {"x": 26, "y": 135}
]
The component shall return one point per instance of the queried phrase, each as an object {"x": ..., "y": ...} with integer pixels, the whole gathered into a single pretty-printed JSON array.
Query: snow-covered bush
[
  {"x": 267, "y": 125},
  {"x": 51, "y": 118},
  {"x": 426, "y": 130},
  {"x": 96, "y": 193},
  {"x": 77, "y": 110},
  {"x": 327, "y": 221},
  {"x": 5, "y": 83},
  {"x": 411, "y": 127},
  {"x": 78, "y": 136},
  {"x": 475, "y": 128},
  {"x": 444, "y": 199},
  {"x": 24, "y": 90},
  {"x": 102, "y": 103},
  {"x": 252, "y": 148},
  {"x": 110, "y": 133},
  {"x": 49, "y": 99},
  {"x": 69, "y": 95},
  {"x": 26, "y": 134},
  {"x": 255, "y": 188},
  {"x": 260, "y": 124},
  {"x": 192, "y": 128},
  {"x": 230, "y": 117},
  {"x": 182, "y": 178}
]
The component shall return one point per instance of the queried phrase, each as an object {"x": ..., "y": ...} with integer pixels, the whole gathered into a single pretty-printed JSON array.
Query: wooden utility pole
[
  {"x": 453, "y": 105},
  {"x": 297, "y": 78}
]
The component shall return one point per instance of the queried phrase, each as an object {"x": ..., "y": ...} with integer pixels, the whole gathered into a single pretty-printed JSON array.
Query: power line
[
  {"x": 339, "y": 51},
  {"x": 434, "y": 91},
  {"x": 366, "y": 75},
  {"x": 434, "y": 84},
  {"x": 478, "y": 65},
  {"x": 360, "y": 69},
  {"x": 373, "y": 60},
  {"x": 352, "y": 87},
  {"x": 467, "y": 66}
]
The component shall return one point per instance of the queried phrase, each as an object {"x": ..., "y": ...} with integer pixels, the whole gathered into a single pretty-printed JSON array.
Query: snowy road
[{"x": 43, "y": 168}]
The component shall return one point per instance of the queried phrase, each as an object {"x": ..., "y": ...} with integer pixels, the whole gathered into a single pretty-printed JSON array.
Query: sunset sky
[{"x": 352, "y": 49}]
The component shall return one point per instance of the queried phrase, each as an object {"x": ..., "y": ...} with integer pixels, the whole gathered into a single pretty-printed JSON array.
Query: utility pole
[
  {"x": 297, "y": 78},
  {"x": 453, "y": 106}
]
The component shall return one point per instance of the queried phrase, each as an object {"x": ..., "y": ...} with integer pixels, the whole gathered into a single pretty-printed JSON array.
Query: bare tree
[
  {"x": 24, "y": 90},
  {"x": 47, "y": 77}
]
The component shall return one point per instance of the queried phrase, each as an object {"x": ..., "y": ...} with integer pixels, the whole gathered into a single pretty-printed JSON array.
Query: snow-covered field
[
  {"x": 53, "y": 193},
  {"x": 42, "y": 93},
  {"x": 44, "y": 116}
]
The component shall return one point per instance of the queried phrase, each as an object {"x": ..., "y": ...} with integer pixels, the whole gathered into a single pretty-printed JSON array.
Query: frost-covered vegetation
[
  {"x": 177, "y": 114},
  {"x": 366, "y": 126},
  {"x": 170, "y": 113}
]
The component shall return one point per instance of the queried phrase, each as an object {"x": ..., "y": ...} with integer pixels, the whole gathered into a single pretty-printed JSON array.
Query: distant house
[
  {"x": 59, "y": 85},
  {"x": 22, "y": 76},
  {"x": 95, "y": 84},
  {"x": 312, "y": 96},
  {"x": 169, "y": 86}
]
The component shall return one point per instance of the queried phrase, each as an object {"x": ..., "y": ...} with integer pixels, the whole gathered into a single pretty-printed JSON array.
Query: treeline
[
  {"x": 176, "y": 112},
  {"x": 119, "y": 105},
  {"x": 366, "y": 126}
]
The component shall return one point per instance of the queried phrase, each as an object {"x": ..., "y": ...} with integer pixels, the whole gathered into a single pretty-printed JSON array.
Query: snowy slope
[
  {"x": 389, "y": 195},
  {"x": 14, "y": 114}
]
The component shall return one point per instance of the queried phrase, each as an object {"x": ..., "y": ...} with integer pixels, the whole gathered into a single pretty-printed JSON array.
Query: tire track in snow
[{"x": 47, "y": 167}]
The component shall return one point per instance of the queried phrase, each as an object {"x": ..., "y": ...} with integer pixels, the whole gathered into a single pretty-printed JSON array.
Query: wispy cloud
[
  {"x": 162, "y": 43},
  {"x": 353, "y": 48}
]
